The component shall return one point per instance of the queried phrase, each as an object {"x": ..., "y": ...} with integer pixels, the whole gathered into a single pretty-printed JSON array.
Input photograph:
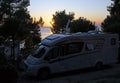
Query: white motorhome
[{"x": 66, "y": 52}]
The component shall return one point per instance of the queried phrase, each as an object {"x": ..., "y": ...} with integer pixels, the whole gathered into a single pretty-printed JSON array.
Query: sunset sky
[{"x": 94, "y": 10}]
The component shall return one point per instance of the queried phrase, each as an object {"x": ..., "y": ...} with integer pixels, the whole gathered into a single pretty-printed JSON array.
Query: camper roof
[
  {"x": 59, "y": 38},
  {"x": 54, "y": 39}
]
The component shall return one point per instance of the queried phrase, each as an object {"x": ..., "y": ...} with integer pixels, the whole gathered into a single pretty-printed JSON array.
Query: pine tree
[
  {"x": 112, "y": 22},
  {"x": 14, "y": 17},
  {"x": 15, "y": 20},
  {"x": 114, "y": 9}
]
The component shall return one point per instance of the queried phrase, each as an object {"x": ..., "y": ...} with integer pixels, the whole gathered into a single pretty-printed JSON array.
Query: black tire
[{"x": 43, "y": 74}]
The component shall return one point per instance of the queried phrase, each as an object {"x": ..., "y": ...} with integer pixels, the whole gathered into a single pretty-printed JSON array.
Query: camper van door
[{"x": 53, "y": 57}]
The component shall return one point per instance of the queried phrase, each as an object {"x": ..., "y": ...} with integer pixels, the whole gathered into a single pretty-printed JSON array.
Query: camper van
[{"x": 66, "y": 52}]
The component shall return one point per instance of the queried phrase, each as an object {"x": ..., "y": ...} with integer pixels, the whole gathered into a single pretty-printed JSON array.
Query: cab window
[
  {"x": 53, "y": 53},
  {"x": 39, "y": 52}
]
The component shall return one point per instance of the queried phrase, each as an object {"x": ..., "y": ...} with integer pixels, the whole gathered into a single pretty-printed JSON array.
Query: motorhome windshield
[{"x": 39, "y": 51}]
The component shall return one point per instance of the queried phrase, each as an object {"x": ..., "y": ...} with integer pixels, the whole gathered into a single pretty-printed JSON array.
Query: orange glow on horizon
[
  {"x": 47, "y": 19},
  {"x": 97, "y": 22},
  {"x": 97, "y": 19}
]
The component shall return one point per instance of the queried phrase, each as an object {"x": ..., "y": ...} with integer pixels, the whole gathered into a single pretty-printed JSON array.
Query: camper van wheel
[
  {"x": 43, "y": 74},
  {"x": 98, "y": 65}
]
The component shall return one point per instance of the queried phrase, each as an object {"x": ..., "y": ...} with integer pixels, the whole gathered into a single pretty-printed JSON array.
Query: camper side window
[{"x": 72, "y": 48}]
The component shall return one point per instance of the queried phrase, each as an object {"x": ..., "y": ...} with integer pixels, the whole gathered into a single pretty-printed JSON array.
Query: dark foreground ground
[{"x": 107, "y": 74}]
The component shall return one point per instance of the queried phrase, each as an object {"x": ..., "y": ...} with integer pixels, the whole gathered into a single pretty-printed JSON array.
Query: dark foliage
[
  {"x": 60, "y": 19},
  {"x": 81, "y": 25},
  {"x": 112, "y": 22}
]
